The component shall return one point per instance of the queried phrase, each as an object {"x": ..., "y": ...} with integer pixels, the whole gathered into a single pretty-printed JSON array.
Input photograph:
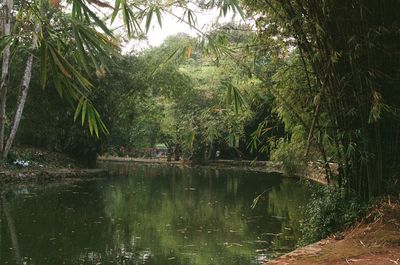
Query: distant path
[
  {"x": 140, "y": 160},
  {"x": 313, "y": 172},
  {"x": 247, "y": 164}
]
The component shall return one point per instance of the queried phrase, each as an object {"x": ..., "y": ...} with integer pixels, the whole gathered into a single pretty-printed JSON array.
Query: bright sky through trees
[{"x": 171, "y": 25}]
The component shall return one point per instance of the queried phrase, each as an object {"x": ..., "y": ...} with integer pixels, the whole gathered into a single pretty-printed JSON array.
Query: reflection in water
[{"x": 154, "y": 215}]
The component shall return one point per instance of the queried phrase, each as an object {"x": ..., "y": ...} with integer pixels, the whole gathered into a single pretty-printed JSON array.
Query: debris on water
[
  {"x": 271, "y": 234},
  {"x": 279, "y": 217},
  {"x": 171, "y": 258},
  {"x": 182, "y": 230},
  {"x": 145, "y": 255},
  {"x": 232, "y": 244},
  {"x": 189, "y": 254}
]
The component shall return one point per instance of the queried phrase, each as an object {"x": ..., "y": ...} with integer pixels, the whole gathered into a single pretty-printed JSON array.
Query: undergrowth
[{"x": 330, "y": 210}]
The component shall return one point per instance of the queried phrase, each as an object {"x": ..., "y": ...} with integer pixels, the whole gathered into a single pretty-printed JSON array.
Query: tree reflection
[
  {"x": 155, "y": 215},
  {"x": 201, "y": 225},
  {"x": 11, "y": 228}
]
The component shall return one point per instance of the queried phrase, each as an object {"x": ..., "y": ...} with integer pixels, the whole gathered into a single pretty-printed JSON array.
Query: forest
[
  {"x": 297, "y": 82},
  {"x": 288, "y": 89}
]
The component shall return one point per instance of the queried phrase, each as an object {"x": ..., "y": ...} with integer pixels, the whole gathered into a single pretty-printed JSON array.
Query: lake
[{"x": 152, "y": 214}]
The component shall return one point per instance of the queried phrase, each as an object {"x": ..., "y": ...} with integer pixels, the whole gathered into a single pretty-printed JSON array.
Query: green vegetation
[
  {"x": 299, "y": 85},
  {"x": 329, "y": 211}
]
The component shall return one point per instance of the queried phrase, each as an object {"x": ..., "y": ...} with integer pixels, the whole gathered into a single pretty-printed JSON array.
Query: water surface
[{"x": 154, "y": 215}]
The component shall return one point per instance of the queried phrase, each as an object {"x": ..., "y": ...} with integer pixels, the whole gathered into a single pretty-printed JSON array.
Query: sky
[{"x": 171, "y": 26}]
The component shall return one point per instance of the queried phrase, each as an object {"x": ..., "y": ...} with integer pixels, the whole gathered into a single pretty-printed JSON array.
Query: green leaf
[
  {"x": 90, "y": 120},
  {"x": 43, "y": 65},
  {"x": 4, "y": 42},
  {"x": 79, "y": 108},
  {"x": 116, "y": 9},
  {"x": 83, "y": 116},
  {"x": 148, "y": 18},
  {"x": 58, "y": 63},
  {"x": 158, "y": 13}
]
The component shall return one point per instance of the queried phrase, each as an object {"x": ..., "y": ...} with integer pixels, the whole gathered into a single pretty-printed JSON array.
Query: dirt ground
[
  {"x": 31, "y": 165},
  {"x": 374, "y": 241}
]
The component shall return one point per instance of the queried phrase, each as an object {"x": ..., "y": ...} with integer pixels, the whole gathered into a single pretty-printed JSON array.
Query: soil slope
[{"x": 374, "y": 241}]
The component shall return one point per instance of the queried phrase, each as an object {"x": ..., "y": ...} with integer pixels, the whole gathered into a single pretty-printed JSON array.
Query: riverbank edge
[
  {"x": 314, "y": 172},
  {"x": 48, "y": 175},
  {"x": 373, "y": 240}
]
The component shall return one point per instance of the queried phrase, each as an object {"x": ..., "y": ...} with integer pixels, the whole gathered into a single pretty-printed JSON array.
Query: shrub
[
  {"x": 330, "y": 210},
  {"x": 291, "y": 152}
]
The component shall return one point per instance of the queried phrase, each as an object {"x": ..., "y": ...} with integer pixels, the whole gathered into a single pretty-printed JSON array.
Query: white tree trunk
[
  {"x": 22, "y": 97},
  {"x": 6, "y": 22}
]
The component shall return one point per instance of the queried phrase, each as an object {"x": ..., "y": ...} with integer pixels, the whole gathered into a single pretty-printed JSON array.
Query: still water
[{"x": 155, "y": 215}]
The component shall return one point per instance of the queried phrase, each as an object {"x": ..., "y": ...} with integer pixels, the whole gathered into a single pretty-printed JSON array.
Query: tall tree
[
  {"x": 49, "y": 29},
  {"x": 353, "y": 50}
]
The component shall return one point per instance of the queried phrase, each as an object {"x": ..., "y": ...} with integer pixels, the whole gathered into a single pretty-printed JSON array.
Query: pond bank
[
  {"x": 31, "y": 164},
  {"x": 314, "y": 171},
  {"x": 375, "y": 240},
  {"x": 33, "y": 175}
]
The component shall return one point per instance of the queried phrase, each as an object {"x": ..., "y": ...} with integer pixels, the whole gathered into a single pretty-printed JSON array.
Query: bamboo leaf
[
  {"x": 56, "y": 78},
  {"x": 116, "y": 9},
  {"x": 83, "y": 116},
  {"x": 43, "y": 65},
  {"x": 4, "y": 42},
  {"x": 189, "y": 51},
  {"x": 158, "y": 13},
  {"x": 79, "y": 108},
  {"x": 96, "y": 19},
  {"x": 90, "y": 120},
  {"x": 148, "y": 18},
  {"x": 58, "y": 63}
]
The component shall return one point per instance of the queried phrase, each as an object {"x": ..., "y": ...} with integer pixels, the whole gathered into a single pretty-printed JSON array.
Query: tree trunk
[
  {"x": 23, "y": 94},
  {"x": 8, "y": 4}
]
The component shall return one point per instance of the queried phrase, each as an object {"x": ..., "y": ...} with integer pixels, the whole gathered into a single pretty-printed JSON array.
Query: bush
[
  {"x": 291, "y": 152},
  {"x": 330, "y": 210}
]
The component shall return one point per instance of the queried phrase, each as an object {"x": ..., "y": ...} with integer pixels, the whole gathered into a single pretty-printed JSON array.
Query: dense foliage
[
  {"x": 304, "y": 87},
  {"x": 330, "y": 210},
  {"x": 352, "y": 79}
]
